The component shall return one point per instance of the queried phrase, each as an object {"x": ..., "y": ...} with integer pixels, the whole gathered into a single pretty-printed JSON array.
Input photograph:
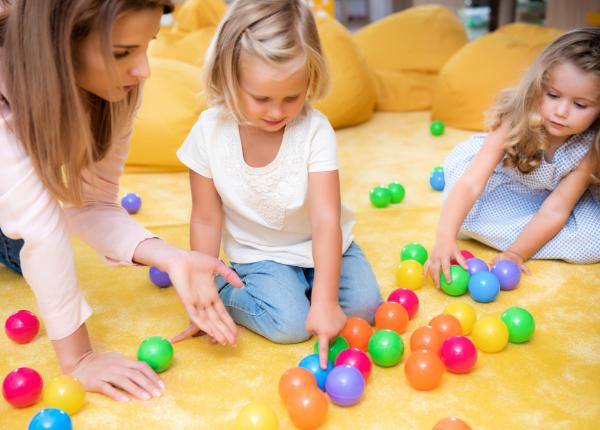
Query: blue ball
[
  {"x": 311, "y": 363},
  {"x": 484, "y": 287},
  {"x": 159, "y": 278},
  {"x": 51, "y": 419},
  {"x": 131, "y": 202},
  {"x": 436, "y": 180},
  {"x": 345, "y": 385},
  {"x": 476, "y": 265}
]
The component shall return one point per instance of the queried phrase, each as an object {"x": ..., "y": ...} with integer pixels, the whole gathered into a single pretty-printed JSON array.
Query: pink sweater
[{"x": 28, "y": 211}]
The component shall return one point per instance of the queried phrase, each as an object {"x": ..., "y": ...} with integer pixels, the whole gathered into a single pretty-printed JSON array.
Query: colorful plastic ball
[
  {"x": 22, "y": 387},
  {"x": 451, "y": 423},
  {"x": 520, "y": 324},
  {"x": 437, "y": 169},
  {"x": 338, "y": 345},
  {"x": 426, "y": 338},
  {"x": 256, "y": 416},
  {"x": 446, "y": 325},
  {"x": 380, "y": 197},
  {"x": 312, "y": 364},
  {"x": 414, "y": 251},
  {"x": 294, "y": 380},
  {"x": 356, "y": 358},
  {"x": 51, "y": 419},
  {"x": 409, "y": 274},
  {"x": 64, "y": 392},
  {"x": 392, "y": 316},
  {"x": 386, "y": 348},
  {"x": 465, "y": 254},
  {"x": 437, "y": 128},
  {"x": 22, "y": 326},
  {"x": 490, "y": 334},
  {"x": 406, "y": 298},
  {"x": 464, "y": 313},
  {"x": 397, "y": 192},
  {"x": 345, "y": 385},
  {"x": 159, "y": 278},
  {"x": 508, "y": 273},
  {"x": 424, "y": 370},
  {"x": 357, "y": 332},
  {"x": 458, "y": 354},
  {"x": 157, "y": 352},
  {"x": 131, "y": 202},
  {"x": 437, "y": 181},
  {"x": 307, "y": 408},
  {"x": 476, "y": 265},
  {"x": 484, "y": 287},
  {"x": 459, "y": 281}
]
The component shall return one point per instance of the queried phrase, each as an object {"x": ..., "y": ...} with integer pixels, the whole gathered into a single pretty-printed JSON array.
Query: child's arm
[
  {"x": 207, "y": 216},
  {"x": 325, "y": 318}
]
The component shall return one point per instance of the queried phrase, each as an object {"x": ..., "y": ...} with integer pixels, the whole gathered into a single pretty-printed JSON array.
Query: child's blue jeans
[
  {"x": 9, "y": 252},
  {"x": 276, "y": 297}
]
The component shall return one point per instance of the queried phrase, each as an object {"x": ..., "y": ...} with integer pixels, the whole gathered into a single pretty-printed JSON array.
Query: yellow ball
[
  {"x": 409, "y": 274},
  {"x": 65, "y": 392},
  {"x": 256, "y": 416},
  {"x": 490, "y": 334},
  {"x": 464, "y": 313}
]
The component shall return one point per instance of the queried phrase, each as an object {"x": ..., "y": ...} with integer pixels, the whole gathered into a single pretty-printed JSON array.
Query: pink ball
[
  {"x": 22, "y": 326},
  {"x": 22, "y": 387},
  {"x": 466, "y": 255},
  {"x": 354, "y": 357},
  {"x": 406, "y": 298},
  {"x": 458, "y": 354}
]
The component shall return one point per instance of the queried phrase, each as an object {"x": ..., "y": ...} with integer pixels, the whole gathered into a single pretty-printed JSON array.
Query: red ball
[
  {"x": 406, "y": 298},
  {"x": 22, "y": 326},
  {"x": 458, "y": 354},
  {"x": 22, "y": 387},
  {"x": 466, "y": 255},
  {"x": 354, "y": 357}
]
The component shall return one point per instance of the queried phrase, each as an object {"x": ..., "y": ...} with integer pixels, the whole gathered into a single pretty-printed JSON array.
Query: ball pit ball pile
[
  {"x": 312, "y": 364},
  {"x": 446, "y": 325},
  {"x": 22, "y": 326},
  {"x": 484, "y": 287},
  {"x": 424, "y": 370},
  {"x": 132, "y": 203},
  {"x": 409, "y": 274},
  {"x": 294, "y": 380},
  {"x": 458, "y": 354},
  {"x": 157, "y": 352},
  {"x": 392, "y": 316},
  {"x": 356, "y": 358},
  {"x": 414, "y": 251},
  {"x": 308, "y": 408},
  {"x": 345, "y": 385},
  {"x": 357, "y": 332},
  {"x": 459, "y": 281},
  {"x": 382, "y": 196},
  {"x": 426, "y": 338},
  {"x": 406, "y": 298},
  {"x": 464, "y": 313},
  {"x": 338, "y": 345},
  {"x": 386, "y": 348},
  {"x": 508, "y": 273},
  {"x": 159, "y": 278}
]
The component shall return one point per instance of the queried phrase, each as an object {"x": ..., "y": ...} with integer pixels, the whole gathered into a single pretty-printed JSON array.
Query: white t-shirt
[{"x": 266, "y": 214}]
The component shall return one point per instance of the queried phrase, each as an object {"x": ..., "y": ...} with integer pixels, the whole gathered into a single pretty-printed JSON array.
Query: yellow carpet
[{"x": 552, "y": 382}]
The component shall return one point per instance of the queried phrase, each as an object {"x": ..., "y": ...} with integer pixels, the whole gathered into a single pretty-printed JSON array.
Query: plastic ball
[
  {"x": 22, "y": 387},
  {"x": 307, "y": 408},
  {"x": 356, "y": 358},
  {"x": 464, "y": 313},
  {"x": 392, "y": 316},
  {"x": 424, "y": 370},
  {"x": 386, "y": 348},
  {"x": 458, "y": 354},
  {"x": 437, "y": 128},
  {"x": 508, "y": 273},
  {"x": 414, "y": 251},
  {"x": 157, "y": 352},
  {"x": 451, "y": 423},
  {"x": 345, "y": 385},
  {"x": 484, "y": 287},
  {"x": 490, "y": 334},
  {"x": 159, "y": 278},
  {"x": 311, "y": 363},
  {"x": 437, "y": 181},
  {"x": 476, "y": 265},
  {"x": 380, "y": 197},
  {"x": 446, "y": 325},
  {"x": 65, "y": 392},
  {"x": 22, "y": 326},
  {"x": 131, "y": 202},
  {"x": 426, "y": 338},
  {"x": 437, "y": 169},
  {"x": 338, "y": 345},
  {"x": 520, "y": 324},
  {"x": 51, "y": 419},
  {"x": 465, "y": 254},
  {"x": 294, "y": 380},
  {"x": 256, "y": 416},
  {"x": 406, "y": 298},
  {"x": 459, "y": 281},
  {"x": 357, "y": 332},
  {"x": 397, "y": 192},
  {"x": 409, "y": 274}
]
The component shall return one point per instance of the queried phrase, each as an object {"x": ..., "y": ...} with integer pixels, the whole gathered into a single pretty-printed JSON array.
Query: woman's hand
[
  {"x": 442, "y": 254},
  {"x": 325, "y": 320},
  {"x": 512, "y": 256}
]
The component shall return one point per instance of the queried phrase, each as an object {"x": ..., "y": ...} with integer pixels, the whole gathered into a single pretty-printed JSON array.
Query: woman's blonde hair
[
  {"x": 280, "y": 32},
  {"x": 62, "y": 128},
  {"x": 521, "y": 105}
]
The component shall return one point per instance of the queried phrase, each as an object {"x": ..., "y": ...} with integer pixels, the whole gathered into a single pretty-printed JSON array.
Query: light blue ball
[
  {"x": 311, "y": 363},
  {"x": 436, "y": 180},
  {"x": 484, "y": 287},
  {"x": 51, "y": 419}
]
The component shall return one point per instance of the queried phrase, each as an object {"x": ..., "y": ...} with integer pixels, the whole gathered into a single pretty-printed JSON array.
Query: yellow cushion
[
  {"x": 351, "y": 99},
  {"x": 195, "y": 14},
  {"x": 172, "y": 103},
  {"x": 189, "y": 47},
  {"x": 406, "y": 51},
  {"x": 471, "y": 79}
]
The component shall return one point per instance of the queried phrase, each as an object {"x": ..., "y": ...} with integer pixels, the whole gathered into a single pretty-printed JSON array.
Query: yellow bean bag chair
[
  {"x": 172, "y": 102},
  {"x": 189, "y": 47},
  {"x": 406, "y": 51},
  {"x": 471, "y": 79},
  {"x": 195, "y": 14}
]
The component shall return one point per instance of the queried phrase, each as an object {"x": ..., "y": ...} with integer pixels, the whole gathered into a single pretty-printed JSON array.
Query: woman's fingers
[
  {"x": 129, "y": 381},
  {"x": 228, "y": 274},
  {"x": 152, "y": 376},
  {"x": 108, "y": 390},
  {"x": 192, "y": 330}
]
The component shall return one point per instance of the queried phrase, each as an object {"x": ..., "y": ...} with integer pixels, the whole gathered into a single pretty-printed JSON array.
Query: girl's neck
[
  {"x": 553, "y": 144},
  {"x": 260, "y": 147}
]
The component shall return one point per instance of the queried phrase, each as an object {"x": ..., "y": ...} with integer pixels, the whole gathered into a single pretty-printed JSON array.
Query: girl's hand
[
  {"x": 440, "y": 257},
  {"x": 325, "y": 320},
  {"x": 512, "y": 256}
]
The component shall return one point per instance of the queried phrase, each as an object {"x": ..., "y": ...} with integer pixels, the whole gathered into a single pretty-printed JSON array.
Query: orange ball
[
  {"x": 426, "y": 338},
  {"x": 294, "y": 380},
  {"x": 357, "y": 332},
  {"x": 446, "y": 325},
  {"x": 424, "y": 370},
  {"x": 451, "y": 423},
  {"x": 392, "y": 316},
  {"x": 307, "y": 408}
]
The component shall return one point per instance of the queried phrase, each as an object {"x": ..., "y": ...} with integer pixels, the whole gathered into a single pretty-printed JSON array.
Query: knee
[{"x": 288, "y": 329}]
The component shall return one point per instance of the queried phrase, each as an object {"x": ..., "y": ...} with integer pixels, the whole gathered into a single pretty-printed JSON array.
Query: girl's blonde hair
[
  {"x": 280, "y": 32},
  {"x": 521, "y": 105},
  {"x": 62, "y": 128}
]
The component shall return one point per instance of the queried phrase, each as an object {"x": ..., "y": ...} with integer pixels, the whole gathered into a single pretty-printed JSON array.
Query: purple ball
[
  {"x": 508, "y": 273},
  {"x": 131, "y": 202},
  {"x": 476, "y": 265},
  {"x": 345, "y": 385},
  {"x": 159, "y": 278}
]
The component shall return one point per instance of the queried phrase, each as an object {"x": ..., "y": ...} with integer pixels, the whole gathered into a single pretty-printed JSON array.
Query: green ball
[
  {"x": 520, "y": 323},
  {"x": 157, "y": 352},
  {"x": 414, "y": 251},
  {"x": 397, "y": 192},
  {"x": 459, "y": 281},
  {"x": 380, "y": 197},
  {"x": 386, "y": 348},
  {"x": 335, "y": 347},
  {"x": 437, "y": 169},
  {"x": 437, "y": 128}
]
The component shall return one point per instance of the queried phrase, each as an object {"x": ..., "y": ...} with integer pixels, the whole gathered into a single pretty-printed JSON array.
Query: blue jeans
[
  {"x": 9, "y": 253},
  {"x": 276, "y": 297}
]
